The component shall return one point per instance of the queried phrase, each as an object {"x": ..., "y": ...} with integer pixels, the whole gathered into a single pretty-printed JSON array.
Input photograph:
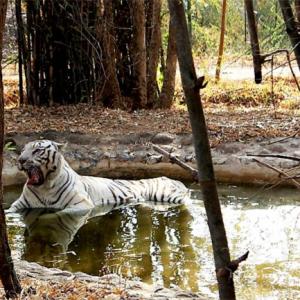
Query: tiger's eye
[{"x": 36, "y": 151}]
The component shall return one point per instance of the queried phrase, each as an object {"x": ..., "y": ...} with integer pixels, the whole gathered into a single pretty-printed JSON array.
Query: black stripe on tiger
[
  {"x": 26, "y": 201},
  {"x": 113, "y": 193},
  {"x": 120, "y": 189},
  {"x": 47, "y": 159},
  {"x": 36, "y": 196},
  {"x": 63, "y": 188},
  {"x": 53, "y": 157},
  {"x": 69, "y": 201}
]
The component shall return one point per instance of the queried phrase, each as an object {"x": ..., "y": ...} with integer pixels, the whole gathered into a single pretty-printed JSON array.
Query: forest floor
[
  {"x": 235, "y": 111},
  {"x": 225, "y": 124},
  {"x": 72, "y": 290}
]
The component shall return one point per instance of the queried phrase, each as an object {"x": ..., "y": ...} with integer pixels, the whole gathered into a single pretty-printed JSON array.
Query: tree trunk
[
  {"x": 191, "y": 87},
  {"x": 7, "y": 273},
  {"x": 22, "y": 51},
  {"x": 105, "y": 32},
  {"x": 291, "y": 27},
  {"x": 297, "y": 9},
  {"x": 168, "y": 87},
  {"x": 153, "y": 51},
  {"x": 27, "y": 54},
  {"x": 138, "y": 53},
  {"x": 20, "y": 40},
  {"x": 189, "y": 18},
  {"x": 221, "y": 45},
  {"x": 123, "y": 38},
  {"x": 254, "y": 40}
]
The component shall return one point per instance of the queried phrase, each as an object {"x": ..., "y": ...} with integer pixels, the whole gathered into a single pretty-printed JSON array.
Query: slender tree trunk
[
  {"x": 221, "y": 45},
  {"x": 20, "y": 32},
  {"x": 189, "y": 18},
  {"x": 168, "y": 87},
  {"x": 153, "y": 53},
  {"x": 28, "y": 73},
  {"x": 138, "y": 53},
  {"x": 291, "y": 27},
  {"x": 123, "y": 37},
  {"x": 7, "y": 273},
  {"x": 254, "y": 40},
  {"x": 207, "y": 181},
  {"x": 105, "y": 33},
  {"x": 297, "y": 9}
]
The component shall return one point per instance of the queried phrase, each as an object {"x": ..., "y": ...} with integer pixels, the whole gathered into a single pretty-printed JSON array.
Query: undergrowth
[
  {"x": 245, "y": 93},
  {"x": 233, "y": 93}
]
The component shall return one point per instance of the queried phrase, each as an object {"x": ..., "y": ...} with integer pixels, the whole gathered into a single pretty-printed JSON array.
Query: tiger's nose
[{"x": 21, "y": 160}]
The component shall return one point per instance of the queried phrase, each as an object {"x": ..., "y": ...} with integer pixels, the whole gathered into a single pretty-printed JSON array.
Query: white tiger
[{"x": 52, "y": 183}]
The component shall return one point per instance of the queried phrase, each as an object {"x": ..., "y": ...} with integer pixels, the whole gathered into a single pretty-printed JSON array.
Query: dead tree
[
  {"x": 291, "y": 27},
  {"x": 191, "y": 87},
  {"x": 7, "y": 273},
  {"x": 254, "y": 40}
]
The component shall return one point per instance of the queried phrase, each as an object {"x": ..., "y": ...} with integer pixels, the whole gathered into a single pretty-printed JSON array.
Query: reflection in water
[
  {"x": 123, "y": 240},
  {"x": 48, "y": 234},
  {"x": 170, "y": 245}
]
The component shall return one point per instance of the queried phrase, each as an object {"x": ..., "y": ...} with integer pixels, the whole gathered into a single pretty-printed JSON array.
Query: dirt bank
[{"x": 132, "y": 156}]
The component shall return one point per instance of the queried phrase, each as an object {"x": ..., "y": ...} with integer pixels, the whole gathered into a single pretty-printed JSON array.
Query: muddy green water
[{"x": 171, "y": 245}]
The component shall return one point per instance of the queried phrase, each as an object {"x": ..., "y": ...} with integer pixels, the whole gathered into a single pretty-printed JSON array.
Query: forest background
[{"x": 84, "y": 52}]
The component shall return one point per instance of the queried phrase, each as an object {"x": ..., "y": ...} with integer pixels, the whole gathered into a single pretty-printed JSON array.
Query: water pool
[{"x": 169, "y": 245}]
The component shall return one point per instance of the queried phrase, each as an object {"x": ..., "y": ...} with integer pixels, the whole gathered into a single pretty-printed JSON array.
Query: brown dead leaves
[
  {"x": 224, "y": 124},
  {"x": 33, "y": 289}
]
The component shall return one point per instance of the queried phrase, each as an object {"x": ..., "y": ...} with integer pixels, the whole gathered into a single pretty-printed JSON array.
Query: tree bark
[
  {"x": 105, "y": 33},
  {"x": 7, "y": 274},
  {"x": 291, "y": 27},
  {"x": 138, "y": 53},
  {"x": 168, "y": 87},
  {"x": 20, "y": 40},
  {"x": 153, "y": 53},
  {"x": 221, "y": 45},
  {"x": 297, "y": 9},
  {"x": 207, "y": 181},
  {"x": 189, "y": 18},
  {"x": 254, "y": 41},
  {"x": 27, "y": 54}
]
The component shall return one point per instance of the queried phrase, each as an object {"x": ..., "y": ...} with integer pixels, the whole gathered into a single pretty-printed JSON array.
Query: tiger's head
[{"x": 39, "y": 159}]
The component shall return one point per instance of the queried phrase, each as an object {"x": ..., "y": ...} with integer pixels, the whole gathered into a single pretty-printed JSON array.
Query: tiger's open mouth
[{"x": 35, "y": 176}]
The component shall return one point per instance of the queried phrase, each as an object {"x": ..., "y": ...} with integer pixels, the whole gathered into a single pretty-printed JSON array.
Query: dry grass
[
  {"x": 240, "y": 94},
  {"x": 33, "y": 289}
]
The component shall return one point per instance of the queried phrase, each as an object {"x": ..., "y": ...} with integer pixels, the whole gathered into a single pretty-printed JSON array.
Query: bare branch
[
  {"x": 287, "y": 176},
  {"x": 275, "y": 155},
  {"x": 177, "y": 161},
  {"x": 232, "y": 266}
]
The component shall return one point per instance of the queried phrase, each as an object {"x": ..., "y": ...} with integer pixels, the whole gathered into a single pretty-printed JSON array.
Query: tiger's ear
[{"x": 60, "y": 146}]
